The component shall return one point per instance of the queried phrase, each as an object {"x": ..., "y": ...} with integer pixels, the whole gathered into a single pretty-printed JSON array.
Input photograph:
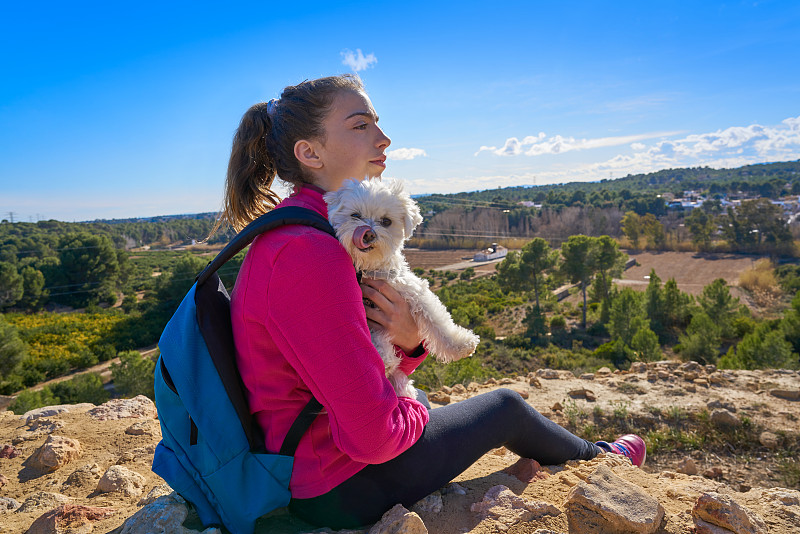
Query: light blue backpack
[{"x": 212, "y": 449}]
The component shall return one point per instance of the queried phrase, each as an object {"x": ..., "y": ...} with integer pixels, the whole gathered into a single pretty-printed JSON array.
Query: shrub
[
  {"x": 133, "y": 375},
  {"x": 29, "y": 400},
  {"x": 87, "y": 387}
]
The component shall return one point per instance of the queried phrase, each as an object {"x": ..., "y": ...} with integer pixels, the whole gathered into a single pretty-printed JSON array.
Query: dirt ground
[
  {"x": 692, "y": 271},
  {"x": 106, "y": 443}
]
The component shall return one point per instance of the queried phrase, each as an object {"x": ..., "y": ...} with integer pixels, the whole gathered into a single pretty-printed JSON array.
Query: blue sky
[{"x": 112, "y": 110}]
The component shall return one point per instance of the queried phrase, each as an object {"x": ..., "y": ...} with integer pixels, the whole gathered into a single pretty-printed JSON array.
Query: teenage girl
[{"x": 301, "y": 329}]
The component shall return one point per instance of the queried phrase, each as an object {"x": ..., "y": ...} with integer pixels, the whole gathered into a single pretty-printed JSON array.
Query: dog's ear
[{"x": 413, "y": 216}]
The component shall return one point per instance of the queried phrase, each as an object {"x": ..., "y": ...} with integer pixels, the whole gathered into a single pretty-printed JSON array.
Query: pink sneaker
[{"x": 629, "y": 445}]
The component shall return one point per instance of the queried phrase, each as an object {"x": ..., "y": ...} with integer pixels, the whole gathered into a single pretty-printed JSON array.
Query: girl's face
[{"x": 354, "y": 143}]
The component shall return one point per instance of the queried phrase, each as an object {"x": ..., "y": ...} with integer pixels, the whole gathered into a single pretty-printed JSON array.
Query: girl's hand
[{"x": 391, "y": 312}]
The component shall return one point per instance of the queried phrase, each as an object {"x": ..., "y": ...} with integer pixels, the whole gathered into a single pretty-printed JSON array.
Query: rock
[
  {"x": 690, "y": 375},
  {"x": 520, "y": 391},
  {"x": 583, "y": 392},
  {"x": 607, "y": 503},
  {"x": 690, "y": 367},
  {"x": 557, "y": 407},
  {"x": 535, "y": 382},
  {"x": 526, "y": 470},
  {"x": 41, "y": 501},
  {"x": 687, "y": 466},
  {"x": 165, "y": 515},
  {"x": 459, "y": 389},
  {"x": 717, "y": 378},
  {"x": 86, "y": 476},
  {"x": 638, "y": 367},
  {"x": 456, "y": 488},
  {"x": 3, "y": 480},
  {"x": 713, "y": 472},
  {"x": 398, "y": 520},
  {"x": 603, "y": 371},
  {"x": 43, "y": 425},
  {"x": 8, "y": 451},
  {"x": 56, "y": 452},
  {"x": 722, "y": 511},
  {"x": 547, "y": 374},
  {"x": 431, "y": 503},
  {"x": 717, "y": 404},
  {"x": 139, "y": 406},
  {"x": 439, "y": 397},
  {"x": 701, "y": 382},
  {"x": 663, "y": 375},
  {"x": 691, "y": 388},
  {"x": 505, "y": 381},
  {"x": 587, "y": 376},
  {"x": 709, "y": 368},
  {"x": 725, "y": 418},
  {"x": 504, "y": 506},
  {"x": 140, "y": 428},
  {"x": 490, "y": 382},
  {"x": 48, "y": 411},
  {"x": 119, "y": 478},
  {"x": 769, "y": 440},
  {"x": 158, "y": 491},
  {"x": 447, "y": 389},
  {"x": 69, "y": 519},
  {"x": 7, "y": 504},
  {"x": 788, "y": 394}
]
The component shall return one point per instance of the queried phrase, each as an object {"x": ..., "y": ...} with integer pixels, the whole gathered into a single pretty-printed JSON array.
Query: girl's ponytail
[{"x": 251, "y": 171}]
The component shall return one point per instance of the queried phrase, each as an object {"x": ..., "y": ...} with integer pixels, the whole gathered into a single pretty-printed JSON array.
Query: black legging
[{"x": 456, "y": 436}]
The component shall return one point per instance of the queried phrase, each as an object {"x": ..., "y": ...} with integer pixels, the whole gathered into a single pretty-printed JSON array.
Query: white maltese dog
[{"x": 372, "y": 219}]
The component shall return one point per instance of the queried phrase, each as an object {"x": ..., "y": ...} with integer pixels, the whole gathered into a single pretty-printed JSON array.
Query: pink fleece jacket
[{"x": 300, "y": 329}]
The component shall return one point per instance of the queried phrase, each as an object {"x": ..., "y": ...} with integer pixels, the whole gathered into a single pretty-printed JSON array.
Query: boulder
[
  {"x": 84, "y": 477},
  {"x": 41, "y": 501},
  {"x": 687, "y": 466},
  {"x": 141, "y": 428},
  {"x": 547, "y": 374},
  {"x": 7, "y": 504},
  {"x": 158, "y": 491},
  {"x": 165, "y": 515},
  {"x": 8, "y": 451},
  {"x": 119, "y": 478},
  {"x": 724, "y": 418},
  {"x": 56, "y": 452},
  {"x": 587, "y": 394},
  {"x": 769, "y": 440},
  {"x": 431, "y": 503},
  {"x": 507, "y": 508},
  {"x": 787, "y": 394},
  {"x": 607, "y": 503},
  {"x": 638, "y": 367},
  {"x": 139, "y": 406},
  {"x": 723, "y": 511},
  {"x": 399, "y": 520},
  {"x": 439, "y": 397},
  {"x": 69, "y": 519},
  {"x": 47, "y": 411}
]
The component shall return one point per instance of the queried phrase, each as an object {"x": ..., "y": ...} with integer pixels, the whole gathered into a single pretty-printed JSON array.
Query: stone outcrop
[
  {"x": 69, "y": 519},
  {"x": 139, "y": 406},
  {"x": 398, "y": 520},
  {"x": 56, "y": 452},
  {"x": 722, "y": 511},
  {"x": 608, "y": 503},
  {"x": 506, "y": 508}
]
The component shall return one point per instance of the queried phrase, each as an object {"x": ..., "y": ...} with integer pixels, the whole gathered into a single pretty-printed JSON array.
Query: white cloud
[
  {"x": 405, "y": 153},
  {"x": 541, "y": 144},
  {"x": 357, "y": 61}
]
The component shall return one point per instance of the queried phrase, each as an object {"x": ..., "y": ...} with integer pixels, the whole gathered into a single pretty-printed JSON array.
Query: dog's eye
[
  {"x": 356, "y": 215},
  {"x": 386, "y": 221}
]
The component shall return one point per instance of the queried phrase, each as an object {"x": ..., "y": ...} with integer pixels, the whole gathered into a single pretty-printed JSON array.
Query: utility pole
[{"x": 11, "y": 216}]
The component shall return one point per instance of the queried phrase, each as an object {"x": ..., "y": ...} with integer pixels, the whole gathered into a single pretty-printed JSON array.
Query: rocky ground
[{"x": 83, "y": 468}]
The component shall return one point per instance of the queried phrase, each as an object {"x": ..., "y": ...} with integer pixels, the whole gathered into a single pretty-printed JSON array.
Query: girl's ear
[{"x": 306, "y": 153}]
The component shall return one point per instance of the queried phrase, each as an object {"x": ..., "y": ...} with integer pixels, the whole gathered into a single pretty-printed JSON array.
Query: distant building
[{"x": 492, "y": 253}]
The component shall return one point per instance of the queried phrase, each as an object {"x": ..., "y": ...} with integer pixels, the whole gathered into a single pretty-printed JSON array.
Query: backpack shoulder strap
[
  {"x": 213, "y": 317},
  {"x": 278, "y": 217}
]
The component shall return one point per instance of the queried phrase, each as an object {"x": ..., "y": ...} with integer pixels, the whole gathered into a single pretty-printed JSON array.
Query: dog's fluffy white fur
[{"x": 391, "y": 215}]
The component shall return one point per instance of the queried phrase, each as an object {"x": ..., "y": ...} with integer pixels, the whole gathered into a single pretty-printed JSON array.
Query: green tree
[
  {"x": 677, "y": 305},
  {"x": 11, "y": 285},
  {"x": 34, "y": 295},
  {"x": 536, "y": 260},
  {"x": 702, "y": 226},
  {"x": 763, "y": 348},
  {"x": 609, "y": 262},
  {"x": 30, "y": 400},
  {"x": 133, "y": 375},
  {"x": 87, "y": 387},
  {"x": 87, "y": 271},
  {"x": 655, "y": 303},
  {"x": 632, "y": 228},
  {"x": 579, "y": 263},
  {"x": 702, "y": 339},
  {"x": 12, "y": 349},
  {"x": 625, "y": 307},
  {"x": 653, "y": 230},
  {"x": 717, "y": 302},
  {"x": 645, "y": 345}
]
